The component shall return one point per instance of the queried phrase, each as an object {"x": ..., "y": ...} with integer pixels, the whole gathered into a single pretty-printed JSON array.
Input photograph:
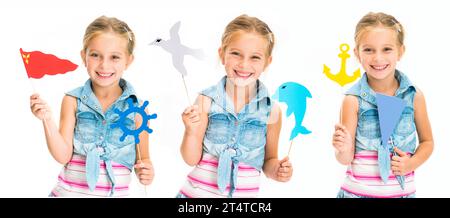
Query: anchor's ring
[{"x": 345, "y": 50}]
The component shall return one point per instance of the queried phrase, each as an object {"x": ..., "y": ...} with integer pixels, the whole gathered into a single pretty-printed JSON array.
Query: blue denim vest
[
  {"x": 368, "y": 133},
  {"x": 93, "y": 136},
  {"x": 235, "y": 138}
]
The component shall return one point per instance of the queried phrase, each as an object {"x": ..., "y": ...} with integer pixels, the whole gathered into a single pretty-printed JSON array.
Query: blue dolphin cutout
[
  {"x": 294, "y": 95},
  {"x": 390, "y": 110}
]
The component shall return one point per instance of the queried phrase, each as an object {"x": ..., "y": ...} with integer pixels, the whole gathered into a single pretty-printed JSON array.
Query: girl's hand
[
  {"x": 191, "y": 118},
  {"x": 39, "y": 107},
  {"x": 144, "y": 171},
  {"x": 401, "y": 165},
  {"x": 284, "y": 170},
  {"x": 342, "y": 140}
]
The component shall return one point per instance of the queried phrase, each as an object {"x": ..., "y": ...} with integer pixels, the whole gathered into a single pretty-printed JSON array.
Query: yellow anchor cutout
[{"x": 342, "y": 78}]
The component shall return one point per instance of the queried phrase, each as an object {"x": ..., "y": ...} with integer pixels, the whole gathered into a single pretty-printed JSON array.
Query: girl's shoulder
[
  {"x": 419, "y": 97},
  {"x": 275, "y": 113},
  {"x": 203, "y": 102},
  {"x": 69, "y": 104},
  {"x": 350, "y": 103}
]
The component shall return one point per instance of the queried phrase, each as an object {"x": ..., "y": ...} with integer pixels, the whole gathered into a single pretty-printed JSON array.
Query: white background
[{"x": 308, "y": 35}]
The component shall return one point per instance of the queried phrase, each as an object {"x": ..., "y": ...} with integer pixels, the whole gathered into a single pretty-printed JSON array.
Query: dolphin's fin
[
  {"x": 303, "y": 130},
  {"x": 297, "y": 130},
  {"x": 289, "y": 111}
]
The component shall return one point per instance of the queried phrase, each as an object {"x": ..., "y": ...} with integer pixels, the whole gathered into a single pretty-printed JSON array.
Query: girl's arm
[
  {"x": 404, "y": 164},
  {"x": 59, "y": 143},
  {"x": 144, "y": 167},
  {"x": 344, "y": 135},
  {"x": 195, "y": 119},
  {"x": 279, "y": 170}
]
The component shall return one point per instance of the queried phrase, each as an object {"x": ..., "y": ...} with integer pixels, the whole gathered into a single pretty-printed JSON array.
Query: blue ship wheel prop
[{"x": 132, "y": 109}]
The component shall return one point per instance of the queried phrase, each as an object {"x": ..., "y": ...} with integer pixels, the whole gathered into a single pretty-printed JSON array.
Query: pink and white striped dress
[
  {"x": 363, "y": 178},
  {"x": 72, "y": 180},
  {"x": 202, "y": 181}
]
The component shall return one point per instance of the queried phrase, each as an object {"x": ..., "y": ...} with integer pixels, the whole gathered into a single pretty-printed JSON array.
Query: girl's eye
[
  {"x": 367, "y": 50},
  {"x": 387, "y": 49},
  {"x": 93, "y": 55},
  {"x": 115, "y": 57},
  {"x": 235, "y": 53},
  {"x": 256, "y": 57}
]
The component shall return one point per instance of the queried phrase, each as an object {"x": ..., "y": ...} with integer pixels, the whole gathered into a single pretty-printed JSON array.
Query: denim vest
[
  {"x": 368, "y": 133},
  {"x": 93, "y": 136},
  {"x": 235, "y": 138}
]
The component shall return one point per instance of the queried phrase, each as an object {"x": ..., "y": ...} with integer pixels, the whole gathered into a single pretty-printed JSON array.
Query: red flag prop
[{"x": 39, "y": 64}]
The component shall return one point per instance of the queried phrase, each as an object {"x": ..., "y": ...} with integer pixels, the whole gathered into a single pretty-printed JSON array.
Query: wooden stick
[
  {"x": 140, "y": 158},
  {"x": 340, "y": 115},
  {"x": 43, "y": 120},
  {"x": 290, "y": 146},
  {"x": 186, "y": 90}
]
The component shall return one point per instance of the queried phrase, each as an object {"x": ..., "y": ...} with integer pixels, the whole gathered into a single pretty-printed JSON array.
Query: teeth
[
  {"x": 379, "y": 67},
  {"x": 242, "y": 74},
  {"x": 104, "y": 74}
]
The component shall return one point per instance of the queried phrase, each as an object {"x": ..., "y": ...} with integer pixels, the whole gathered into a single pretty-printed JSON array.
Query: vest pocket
[
  {"x": 86, "y": 126},
  {"x": 406, "y": 125},
  {"x": 368, "y": 124},
  {"x": 116, "y": 133},
  {"x": 253, "y": 134},
  {"x": 219, "y": 130}
]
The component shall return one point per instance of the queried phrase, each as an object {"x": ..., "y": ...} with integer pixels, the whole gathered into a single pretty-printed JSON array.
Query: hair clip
[
  {"x": 397, "y": 24},
  {"x": 128, "y": 33},
  {"x": 270, "y": 35}
]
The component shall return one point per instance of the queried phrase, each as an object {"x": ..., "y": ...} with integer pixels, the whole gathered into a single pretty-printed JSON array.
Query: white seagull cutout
[{"x": 177, "y": 50}]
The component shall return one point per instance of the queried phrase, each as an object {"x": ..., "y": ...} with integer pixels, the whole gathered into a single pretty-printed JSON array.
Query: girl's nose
[
  {"x": 104, "y": 63},
  {"x": 244, "y": 63},
  {"x": 378, "y": 56}
]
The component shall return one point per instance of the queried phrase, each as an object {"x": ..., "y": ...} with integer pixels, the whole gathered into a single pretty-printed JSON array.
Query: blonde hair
[
  {"x": 105, "y": 24},
  {"x": 250, "y": 25},
  {"x": 372, "y": 20}
]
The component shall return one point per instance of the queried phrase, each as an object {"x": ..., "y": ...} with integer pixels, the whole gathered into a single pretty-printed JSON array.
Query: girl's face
[
  {"x": 106, "y": 58},
  {"x": 245, "y": 58},
  {"x": 378, "y": 52}
]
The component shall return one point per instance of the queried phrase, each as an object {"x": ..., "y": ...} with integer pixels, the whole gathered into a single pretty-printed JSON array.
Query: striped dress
[
  {"x": 363, "y": 179},
  {"x": 72, "y": 180},
  {"x": 202, "y": 181}
]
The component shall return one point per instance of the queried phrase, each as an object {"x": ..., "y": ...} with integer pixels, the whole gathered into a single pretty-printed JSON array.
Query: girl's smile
[
  {"x": 242, "y": 74},
  {"x": 104, "y": 75}
]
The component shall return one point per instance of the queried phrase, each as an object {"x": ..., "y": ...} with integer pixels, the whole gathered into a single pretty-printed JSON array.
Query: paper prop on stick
[
  {"x": 294, "y": 95},
  {"x": 121, "y": 123},
  {"x": 178, "y": 51},
  {"x": 389, "y": 112},
  {"x": 38, "y": 64},
  {"x": 341, "y": 77},
  {"x": 123, "y": 117}
]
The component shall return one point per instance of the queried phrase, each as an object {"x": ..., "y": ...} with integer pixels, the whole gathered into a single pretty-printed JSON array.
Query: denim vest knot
[
  {"x": 368, "y": 133},
  {"x": 93, "y": 136},
  {"x": 235, "y": 138}
]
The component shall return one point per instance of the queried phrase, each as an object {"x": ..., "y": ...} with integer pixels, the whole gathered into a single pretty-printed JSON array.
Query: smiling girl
[
  {"x": 379, "y": 46},
  {"x": 231, "y": 132},
  {"x": 96, "y": 162}
]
